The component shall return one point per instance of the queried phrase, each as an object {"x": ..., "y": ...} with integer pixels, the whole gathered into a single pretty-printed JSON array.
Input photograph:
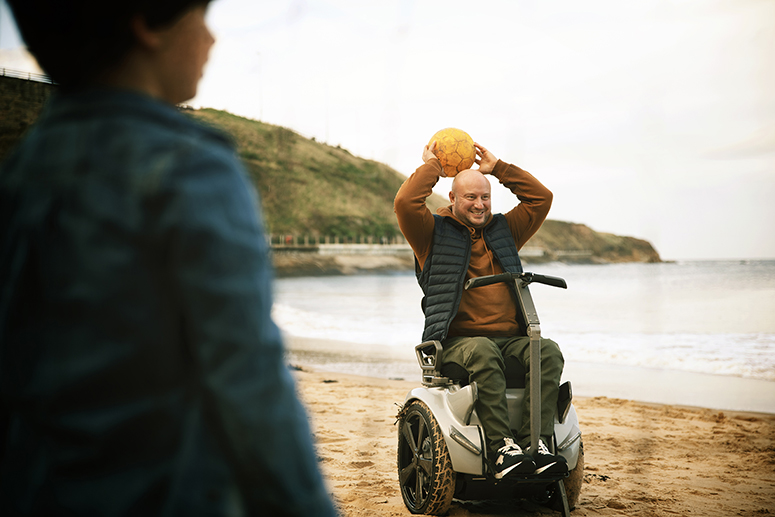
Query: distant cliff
[
  {"x": 313, "y": 192},
  {"x": 572, "y": 242}
]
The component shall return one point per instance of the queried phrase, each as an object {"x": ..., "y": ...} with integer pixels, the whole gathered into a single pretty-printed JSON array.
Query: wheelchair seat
[
  {"x": 515, "y": 373},
  {"x": 429, "y": 356}
]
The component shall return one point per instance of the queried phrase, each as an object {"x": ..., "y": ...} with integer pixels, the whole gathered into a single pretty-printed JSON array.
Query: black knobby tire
[
  {"x": 424, "y": 467},
  {"x": 575, "y": 480}
]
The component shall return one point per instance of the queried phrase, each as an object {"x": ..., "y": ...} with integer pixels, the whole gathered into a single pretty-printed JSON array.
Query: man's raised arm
[
  {"x": 414, "y": 218},
  {"x": 535, "y": 201}
]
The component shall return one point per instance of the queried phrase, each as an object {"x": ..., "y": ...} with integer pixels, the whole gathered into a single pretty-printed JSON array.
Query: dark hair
[{"x": 76, "y": 40}]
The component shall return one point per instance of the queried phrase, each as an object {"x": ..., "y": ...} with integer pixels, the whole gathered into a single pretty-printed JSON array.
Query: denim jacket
[{"x": 140, "y": 372}]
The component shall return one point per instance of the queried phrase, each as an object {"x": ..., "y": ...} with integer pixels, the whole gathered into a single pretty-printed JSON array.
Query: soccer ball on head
[{"x": 454, "y": 149}]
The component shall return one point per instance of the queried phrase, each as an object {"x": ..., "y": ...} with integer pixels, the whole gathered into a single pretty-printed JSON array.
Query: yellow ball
[{"x": 454, "y": 149}]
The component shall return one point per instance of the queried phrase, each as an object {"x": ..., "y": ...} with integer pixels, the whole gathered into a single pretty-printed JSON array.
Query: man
[
  {"x": 479, "y": 328},
  {"x": 140, "y": 372}
]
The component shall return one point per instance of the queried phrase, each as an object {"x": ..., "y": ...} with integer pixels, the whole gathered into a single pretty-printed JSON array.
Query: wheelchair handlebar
[{"x": 528, "y": 278}]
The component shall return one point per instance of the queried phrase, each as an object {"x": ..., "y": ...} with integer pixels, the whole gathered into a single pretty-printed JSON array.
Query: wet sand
[
  {"x": 642, "y": 459},
  {"x": 654, "y": 385}
]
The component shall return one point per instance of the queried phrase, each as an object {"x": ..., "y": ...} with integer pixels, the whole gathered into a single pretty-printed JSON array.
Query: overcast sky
[{"x": 654, "y": 119}]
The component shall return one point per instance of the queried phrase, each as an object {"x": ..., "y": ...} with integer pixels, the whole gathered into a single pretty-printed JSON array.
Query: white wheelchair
[{"x": 441, "y": 445}]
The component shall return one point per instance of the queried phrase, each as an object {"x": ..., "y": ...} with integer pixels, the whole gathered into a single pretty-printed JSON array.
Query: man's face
[{"x": 470, "y": 197}]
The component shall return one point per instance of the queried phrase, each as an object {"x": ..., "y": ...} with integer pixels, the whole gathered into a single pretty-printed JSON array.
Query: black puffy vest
[{"x": 444, "y": 272}]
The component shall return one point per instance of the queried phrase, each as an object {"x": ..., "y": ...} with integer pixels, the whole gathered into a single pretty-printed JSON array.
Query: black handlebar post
[{"x": 533, "y": 331}]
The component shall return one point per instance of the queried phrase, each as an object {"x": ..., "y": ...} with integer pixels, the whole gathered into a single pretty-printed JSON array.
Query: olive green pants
[{"x": 484, "y": 360}]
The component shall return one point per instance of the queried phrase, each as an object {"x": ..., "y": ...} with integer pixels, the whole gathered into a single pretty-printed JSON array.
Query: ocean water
[{"x": 703, "y": 317}]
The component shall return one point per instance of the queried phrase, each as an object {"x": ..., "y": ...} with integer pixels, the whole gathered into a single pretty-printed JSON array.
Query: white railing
[{"x": 30, "y": 76}]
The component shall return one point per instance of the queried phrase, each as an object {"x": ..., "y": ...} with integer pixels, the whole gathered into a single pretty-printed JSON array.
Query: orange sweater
[{"x": 489, "y": 310}]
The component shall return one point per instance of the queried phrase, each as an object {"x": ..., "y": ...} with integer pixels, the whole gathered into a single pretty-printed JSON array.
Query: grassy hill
[{"x": 310, "y": 188}]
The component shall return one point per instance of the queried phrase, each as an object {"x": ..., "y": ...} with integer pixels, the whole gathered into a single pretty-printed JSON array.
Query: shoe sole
[
  {"x": 524, "y": 468},
  {"x": 547, "y": 469}
]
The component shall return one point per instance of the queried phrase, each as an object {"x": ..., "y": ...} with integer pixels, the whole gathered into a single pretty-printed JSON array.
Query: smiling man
[
  {"x": 470, "y": 197},
  {"x": 479, "y": 328}
]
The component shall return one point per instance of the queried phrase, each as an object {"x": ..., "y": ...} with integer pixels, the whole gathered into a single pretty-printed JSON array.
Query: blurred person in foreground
[{"x": 140, "y": 372}]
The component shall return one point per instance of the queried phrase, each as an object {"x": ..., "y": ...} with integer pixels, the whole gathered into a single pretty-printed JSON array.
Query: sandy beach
[{"x": 641, "y": 459}]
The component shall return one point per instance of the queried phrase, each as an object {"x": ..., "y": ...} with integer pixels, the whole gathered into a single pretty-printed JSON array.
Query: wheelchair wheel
[
  {"x": 574, "y": 480},
  {"x": 572, "y": 484},
  {"x": 424, "y": 467}
]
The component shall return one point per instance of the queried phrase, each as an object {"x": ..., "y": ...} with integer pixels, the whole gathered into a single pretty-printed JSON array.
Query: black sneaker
[
  {"x": 511, "y": 459},
  {"x": 548, "y": 463}
]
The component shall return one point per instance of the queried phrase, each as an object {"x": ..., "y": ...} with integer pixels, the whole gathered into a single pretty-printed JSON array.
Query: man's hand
[
  {"x": 428, "y": 155},
  {"x": 485, "y": 159}
]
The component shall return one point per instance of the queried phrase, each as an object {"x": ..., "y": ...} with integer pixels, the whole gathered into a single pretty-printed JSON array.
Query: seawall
[{"x": 21, "y": 101}]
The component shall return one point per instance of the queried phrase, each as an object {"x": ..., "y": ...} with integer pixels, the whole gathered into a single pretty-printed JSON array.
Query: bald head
[
  {"x": 470, "y": 197},
  {"x": 469, "y": 177}
]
